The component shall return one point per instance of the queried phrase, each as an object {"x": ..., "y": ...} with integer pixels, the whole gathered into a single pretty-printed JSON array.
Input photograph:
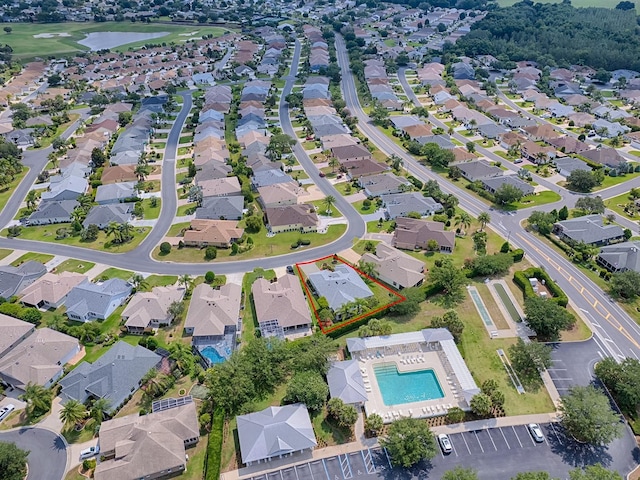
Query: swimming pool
[
  {"x": 212, "y": 355},
  {"x": 408, "y": 387}
]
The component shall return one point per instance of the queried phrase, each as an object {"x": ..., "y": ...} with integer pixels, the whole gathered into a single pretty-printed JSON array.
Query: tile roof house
[
  {"x": 38, "y": 358},
  {"x": 541, "y": 132},
  {"x": 383, "y": 184},
  {"x": 569, "y": 144},
  {"x": 620, "y": 257},
  {"x": 341, "y": 286},
  {"x": 274, "y": 432},
  {"x": 358, "y": 168},
  {"x": 115, "y": 192},
  {"x": 281, "y": 307},
  {"x": 90, "y": 301},
  {"x": 589, "y": 229},
  {"x": 221, "y": 187},
  {"x": 605, "y": 156},
  {"x": 12, "y": 332},
  {"x": 213, "y": 313},
  {"x": 147, "y": 446},
  {"x": 396, "y": 268},
  {"x": 50, "y": 290},
  {"x": 65, "y": 187},
  {"x": 150, "y": 310},
  {"x": 350, "y": 152},
  {"x": 52, "y": 211},
  {"x": 221, "y": 208},
  {"x": 401, "y": 204},
  {"x": 217, "y": 233},
  {"x": 346, "y": 382},
  {"x": 116, "y": 375},
  {"x": 14, "y": 279},
  {"x": 118, "y": 173},
  {"x": 281, "y": 194},
  {"x": 414, "y": 234},
  {"x": 291, "y": 218}
]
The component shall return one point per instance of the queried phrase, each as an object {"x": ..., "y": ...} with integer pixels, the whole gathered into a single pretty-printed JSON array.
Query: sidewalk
[{"x": 16, "y": 254}]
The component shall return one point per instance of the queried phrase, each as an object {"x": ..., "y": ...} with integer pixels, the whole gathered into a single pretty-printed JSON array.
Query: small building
[
  {"x": 414, "y": 234},
  {"x": 567, "y": 165},
  {"x": 346, "y": 382},
  {"x": 103, "y": 215},
  {"x": 384, "y": 184},
  {"x": 280, "y": 194},
  {"x": 478, "y": 169},
  {"x": 275, "y": 432}
]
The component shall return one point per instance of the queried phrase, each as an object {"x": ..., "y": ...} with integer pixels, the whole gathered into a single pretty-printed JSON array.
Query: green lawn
[
  {"x": 617, "y": 205},
  {"x": 47, "y": 233},
  {"x": 33, "y": 256},
  {"x": 177, "y": 228},
  {"x": 117, "y": 273},
  {"x": 45, "y": 141},
  {"x": 160, "y": 281},
  {"x": 6, "y": 193},
  {"x": 541, "y": 198},
  {"x": 262, "y": 247},
  {"x": 4, "y": 252},
  {"x": 375, "y": 227},
  {"x": 342, "y": 188},
  {"x": 73, "y": 265},
  {"x": 25, "y": 46},
  {"x": 359, "y": 206},
  {"x": 151, "y": 213},
  {"x": 610, "y": 181},
  {"x": 186, "y": 209},
  {"x": 321, "y": 209}
]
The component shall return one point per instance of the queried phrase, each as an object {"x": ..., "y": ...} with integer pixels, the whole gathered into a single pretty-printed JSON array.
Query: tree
[
  {"x": 542, "y": 222},
  {"x": 594, "y": 472},
  {"x": 379, "y": 114},
  {"x": 138, "y": 282},
  {"x": 602, "y": 75},
  {"x": 464, "y": 220},
  {"x": 344, "y": 415},
  {"x": 124, "y": 118},
  {"x": 8, "y": 30},
  {"x": 13, "y": 461},
  {"x": 98, "y": 158},
  {"x": 253, "y": 224},
  {"x": 72, "y": 413},
  {"x": 308, "y": 387},
  {"x": 165, "y": 248},
  {"x": 582, "y": 181},
  {"x": 328, "y": 202},
  {"x": 481, "y": 404},
  {"x": 368, "y": 268},
  {"x": 460, "y": 473},
  {"x": 471, "y": 147},
  {"x": 455, "y": 415},
  {"x": 409, "y": 441},
  {"x": 175, "y": 309},
  {"x": 480, "y": 242},
  {"x": 142, "y": 171},
  {"x": 532, "y": 476},
  {"x": 209, "y": 277},
  {"x": 451, "y": 322},
  {"x": 590, "y": 204},
  {"x": 622, "y": 381},
  {"x": 587, "y": 416},
  {"x": 375, "y": 328},
  {"x": 210, "y": 253},
  {"x": 547, "y": 318},
  {"x": 563, "y": 213},
  {"x": 38, "y": 399},
  {"x": 31, "y": 199},
  {"x": 530, "y": 359},
  {"x": 625, "y": 284},
  {"x": 490, "y": 265},
  {"x": 98, "y": 408},
  {"x": 373, "y": 424},
  {"x": 450, "y": 279},
  {"x": 507, "y": 194},
  {"x": 279, "y": 144},
  {"x": 90, "y": 234},
  {"x": 484, "y": 218},
  {"x": 185, "y": 280}
]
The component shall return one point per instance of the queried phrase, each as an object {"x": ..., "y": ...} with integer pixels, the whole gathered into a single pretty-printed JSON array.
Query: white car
[
  {"x": 445, "y": 443},
  {"x": 89, "y": 452},
  {"x": 536, "y": 432},
  {"x": 6, "y": 410}
]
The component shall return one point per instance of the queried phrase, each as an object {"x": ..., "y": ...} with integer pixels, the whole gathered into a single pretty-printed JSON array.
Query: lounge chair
[{"x": 410, "y": 412}]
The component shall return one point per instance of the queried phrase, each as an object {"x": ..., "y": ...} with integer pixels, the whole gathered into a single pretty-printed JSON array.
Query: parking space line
[
  {"x": 453, "y": 446},
  {"x": 531, "y": 437},
  {"x": 310, "y": 471},
  {"x": 296, "y": 471},
  {"x": 516, "y": 434},
  {"x": 388, "y": 459},
  {"x": 466, "y": 444},
  {"x": 494, "y": 443},
  {"x": 553, "y": 429},
  {"x": 505, "y": 439},
  {"x": 325, "y": 469},
  {"x": 478, "y": 439},
  {"x": 281, "y": 476}
]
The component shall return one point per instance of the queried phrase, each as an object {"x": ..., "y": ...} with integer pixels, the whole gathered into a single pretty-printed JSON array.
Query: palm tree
[
  {"x": 484, "y": 218},
  {"x": 464, "y": 220},
  {"x": 98, "y": 409},
  {"x": 38, "y": 399},
  {"x": 185, "y": 280},
  {"x": 72, "y": 413},
  {"x": 85, "y": 202},
  {"x": 181, "y": 353},
  {"x": 138, "y": 282},
  {"x": 142, "y": 171},
  {"x": 114, "y": 229},
  {"x": 31, "y": 199},
  {"x": 368, "y": 268},
  {"x": 334, "y": 163},
  {"x": 329, "y": 201}
]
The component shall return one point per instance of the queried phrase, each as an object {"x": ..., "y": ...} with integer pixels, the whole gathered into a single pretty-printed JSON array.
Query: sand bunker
[{"x": 51, "y": 35}]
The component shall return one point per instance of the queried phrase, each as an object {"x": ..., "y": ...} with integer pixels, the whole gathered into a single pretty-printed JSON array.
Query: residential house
[
  {"x": 281, "y": 194},
  {"x": 350, "y": 153},
  {"x": 12, "y": 332},
  {"x": 91, "y": 301},
  {"x": 52, "y": 211},
  {"x": 216, "y": 233},
  {"x": 401, "y": 204},
  {"x": 620, "y": 257},
  {"x": 271, "y": 176},
  {"x": 281, "y": 308},
  {"x": 290, "y": 218},
  {"x": 115, "y": 376},
  {"x": 103, "y": 215},
  {"x": 493, "y": 184},
  {"x": 37, "y": 358},
  {"x": 384, "y": 184},
  {"x": 118, "y": 173},
  {"x": 65, "y": 187},
  {"x": 15, "y": 279},
  {"x": 536, "y": 153},
  {"x": 147, "y": 311},
  {"x": 567, "y": 165},
  {"x": 359, "y": 168},
  {"x": 275, "y": 432},
  {"x": 51, "y": 290},
  {"x": 147, "y": 446},
  {"x": 413, "y": 234},
  {"x": 396, "y": 268},
  {"x": 221, "y": 187},
  {"x": 346, "y": 382},
  {"x": 340, "y": 287},
  {"x": 116, "y": 193},
  {"x": 589, "y": 229},
  {"x": 539, "y": 132},
  {"x": 478, "y": 169},
  {"x": 605, "y": 156},
  {"x": 221, "y": 208},
  {"x": 569, "y": 144}
]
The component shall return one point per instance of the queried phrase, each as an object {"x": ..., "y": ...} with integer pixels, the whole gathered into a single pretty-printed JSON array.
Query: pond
[{"x": 102, "y": 40}]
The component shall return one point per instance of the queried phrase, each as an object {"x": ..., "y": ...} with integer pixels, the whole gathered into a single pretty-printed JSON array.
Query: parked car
[
  {"x": 517, "y": 160},
  {"x": 290, "y": 269},
  {"x": 89, "y": 452},
  {"x": 536, "y": 432},
  {"x": 322, "y": 174},
  {"x": 445, "y": 443},
  {"x": 6, "y": 410}
]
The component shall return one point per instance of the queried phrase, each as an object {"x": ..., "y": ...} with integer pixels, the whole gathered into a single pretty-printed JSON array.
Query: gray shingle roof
[
  {"x": 95, "y": 297},
  {"x": 214, "y": 208},
  {"x": 339, "y": 287},
  {"x": 588, "y": 229},
  {"x": 399, "y": 205},
  {"x": 53, "y": 209},
  {"x": 622, "y": 256},
  {"x": 14, "y": 279},
  {"x": 102, "y": 215}
]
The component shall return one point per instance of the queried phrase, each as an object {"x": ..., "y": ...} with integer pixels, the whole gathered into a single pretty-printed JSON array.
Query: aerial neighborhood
[{"x": 319, "y": 240}]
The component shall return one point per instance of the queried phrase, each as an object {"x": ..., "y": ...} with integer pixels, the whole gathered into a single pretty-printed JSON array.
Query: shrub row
[
  {"x": 521, "y": 279},
  {"x": 416, "y": 183},
  {"x": 16, "y": 310},
  {"x": 214, "y": 446}
]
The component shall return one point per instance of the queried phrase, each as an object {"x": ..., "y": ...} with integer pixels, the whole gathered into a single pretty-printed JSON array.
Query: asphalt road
[
  {"x": 614, "y": 328},
  {"x": 48, "y": 455}
]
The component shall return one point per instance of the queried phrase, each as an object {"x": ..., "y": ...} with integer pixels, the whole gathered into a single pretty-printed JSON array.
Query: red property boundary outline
[{"x": 401, "y": 298}]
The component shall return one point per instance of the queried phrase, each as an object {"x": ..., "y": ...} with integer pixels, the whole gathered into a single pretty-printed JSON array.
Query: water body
[{"x": 103, "y": 40}]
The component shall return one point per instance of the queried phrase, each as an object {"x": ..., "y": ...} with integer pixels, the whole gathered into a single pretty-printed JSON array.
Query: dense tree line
[{"x": 557, "y": 34}]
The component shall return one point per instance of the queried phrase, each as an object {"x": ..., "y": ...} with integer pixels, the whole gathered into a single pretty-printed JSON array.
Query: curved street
[{"x": 48, "y": 452}]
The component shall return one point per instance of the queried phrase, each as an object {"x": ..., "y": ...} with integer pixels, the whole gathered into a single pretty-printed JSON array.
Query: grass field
[
  {"x": 575, "y": 3},
  {"x": 25, "y": 46},
  {"x": 73, "y": 265},
  {"x": 32, "y": 256}
]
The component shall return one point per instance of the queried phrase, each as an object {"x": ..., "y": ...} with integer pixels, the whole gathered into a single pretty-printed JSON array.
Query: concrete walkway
[
  {"x": 12, "y": 257},
  {"x": 96, "y": 270}
]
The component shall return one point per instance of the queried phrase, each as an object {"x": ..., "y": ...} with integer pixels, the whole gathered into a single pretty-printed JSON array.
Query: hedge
[
  {"x": 214, "y": 446},
  {"x": 517, "y": 255},
  {"x": 521, "y": 278},
  {"x": 416, "y": 183}
]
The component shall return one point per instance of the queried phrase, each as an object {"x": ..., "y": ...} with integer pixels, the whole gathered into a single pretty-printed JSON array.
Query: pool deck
[{"x": 411, "y": 362}]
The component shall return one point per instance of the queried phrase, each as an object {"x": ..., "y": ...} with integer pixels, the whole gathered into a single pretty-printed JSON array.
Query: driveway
[{"x": 48, "y": 453}]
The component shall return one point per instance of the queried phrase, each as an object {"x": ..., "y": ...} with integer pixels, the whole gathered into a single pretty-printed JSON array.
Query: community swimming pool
[
  {"x": 212, "y": 355},
  {"x": 406, "y": 387}
]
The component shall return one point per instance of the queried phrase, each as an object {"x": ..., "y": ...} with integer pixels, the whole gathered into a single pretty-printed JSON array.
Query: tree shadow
[{"x": 575, "y": 453}]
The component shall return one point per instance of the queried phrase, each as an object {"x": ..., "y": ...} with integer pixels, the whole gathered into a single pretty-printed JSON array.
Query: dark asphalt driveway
[{"x": 48, "y": 454}]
